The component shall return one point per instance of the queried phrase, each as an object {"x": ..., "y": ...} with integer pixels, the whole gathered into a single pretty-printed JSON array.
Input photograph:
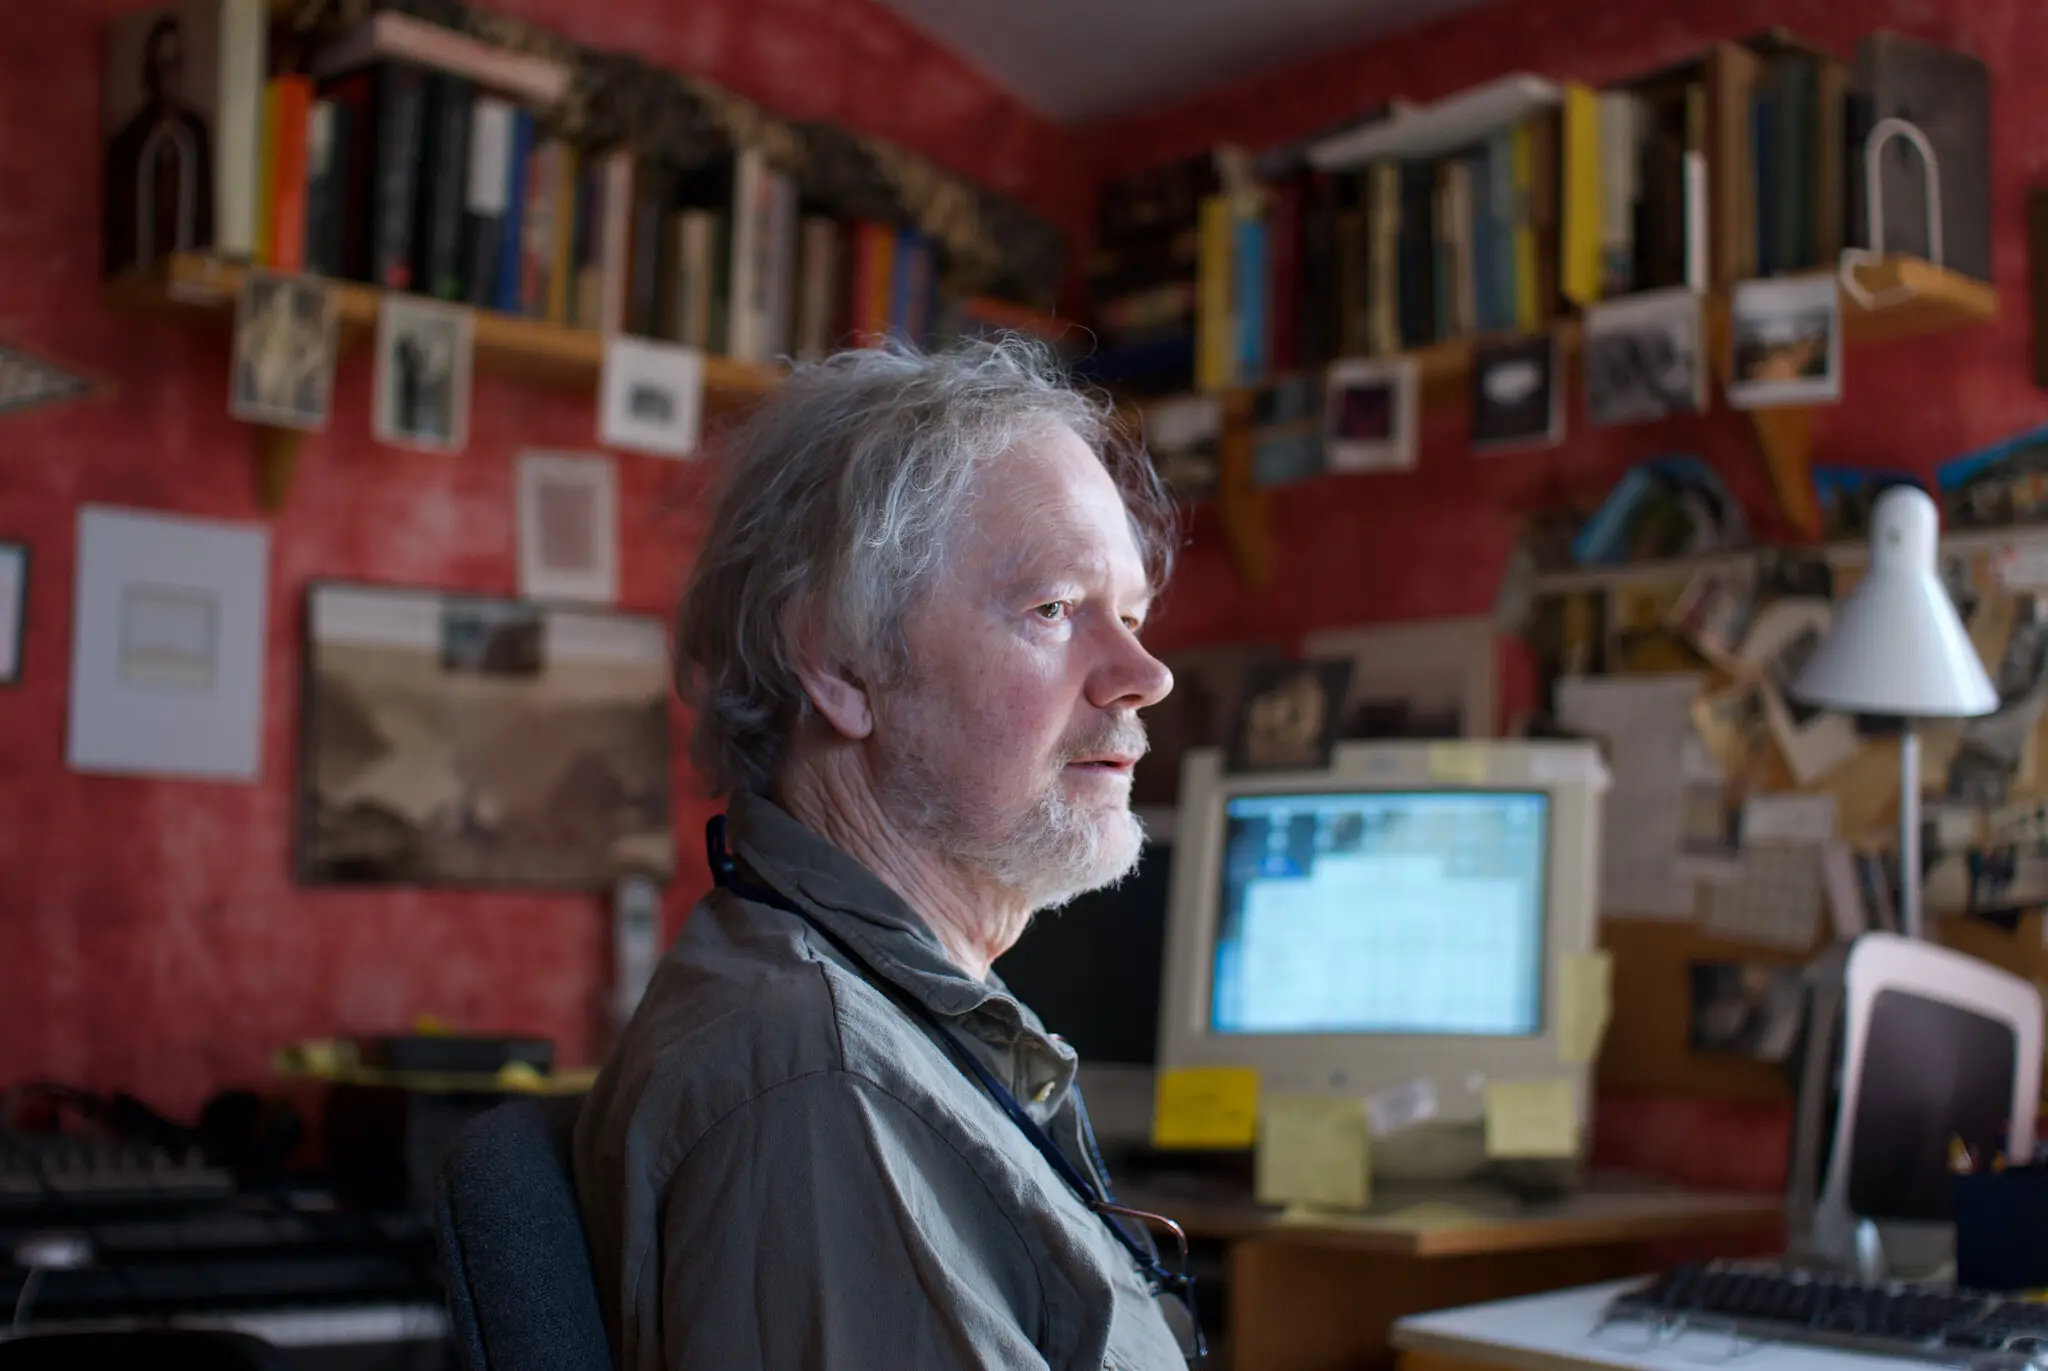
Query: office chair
[
  {"x": 138, "y": 1349},
  {"x": 521, "y": 1296}
]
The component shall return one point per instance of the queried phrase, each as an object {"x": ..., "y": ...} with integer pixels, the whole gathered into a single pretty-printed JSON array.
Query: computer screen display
[{"x": 1409, "y": 912}]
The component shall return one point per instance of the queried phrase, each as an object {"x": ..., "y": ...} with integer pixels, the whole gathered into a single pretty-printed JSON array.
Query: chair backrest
[{"x": 521, "y": 1296}]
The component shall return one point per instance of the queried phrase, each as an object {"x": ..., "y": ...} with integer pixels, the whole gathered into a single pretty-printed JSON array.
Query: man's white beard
[{"x": 1052, "y": 852}]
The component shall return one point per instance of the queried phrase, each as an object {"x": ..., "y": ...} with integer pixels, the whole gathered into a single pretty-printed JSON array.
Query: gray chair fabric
[{"x": 521, "y": 1296}]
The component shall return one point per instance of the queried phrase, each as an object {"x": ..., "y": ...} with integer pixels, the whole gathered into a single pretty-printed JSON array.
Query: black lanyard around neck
[{"x": 725, "y": 872}]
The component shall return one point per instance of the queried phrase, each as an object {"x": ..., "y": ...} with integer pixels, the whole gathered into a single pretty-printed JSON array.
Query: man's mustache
[{"x": 1124, "y": 737}]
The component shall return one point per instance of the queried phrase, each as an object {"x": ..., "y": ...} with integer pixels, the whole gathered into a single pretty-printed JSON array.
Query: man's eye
[{"x": 1053, "y": 611}]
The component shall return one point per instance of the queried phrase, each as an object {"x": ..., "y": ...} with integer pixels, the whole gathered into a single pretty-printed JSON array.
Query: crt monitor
[{"x": 1397, "y": 917}]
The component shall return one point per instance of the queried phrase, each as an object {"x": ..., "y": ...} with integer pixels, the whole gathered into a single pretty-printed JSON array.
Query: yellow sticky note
[
  {"x": 1463, "y": 763},
  {"x": 1531, "y": 1119},
  {"x": 1206, "y": 1106},
  {"x": 1313, "y": 1150},
  {"x": 1585, "y": 998}
]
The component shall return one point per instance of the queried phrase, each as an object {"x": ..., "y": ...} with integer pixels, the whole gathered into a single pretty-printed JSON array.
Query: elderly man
[{"x": 830, "y": 1137}]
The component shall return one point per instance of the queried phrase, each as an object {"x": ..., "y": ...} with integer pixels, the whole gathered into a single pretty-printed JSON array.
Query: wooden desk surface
[{"x": 1473, "y": 1220}]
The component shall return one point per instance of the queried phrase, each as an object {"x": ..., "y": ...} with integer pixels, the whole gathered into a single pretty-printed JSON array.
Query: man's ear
[
  {"x": 836, "y": 690},
  {"x": 840, "y": 697}
]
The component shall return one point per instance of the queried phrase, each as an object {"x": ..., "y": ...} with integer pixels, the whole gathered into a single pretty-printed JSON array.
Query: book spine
[
  {"x": 293, "y": 106},
  {"x": 323, "y": 187},
  {"x": 401, "y": 118},
  {"x": 485, "y": 202},
  {"x": 444, "y": 189},
  {"x": 537, "y": 228},
  {"x": 1282, "y": 345},
  {"x": 1213, "y": 370},
  {"x": 613, "y": 240},
  {"x": 651, "y": 193},
  {"x": 241, "y": 64},
  {"x": 1580, "y": 267},
  {"x": 1248, "y": 277},
  {"x": 266, "y": 180},
  {"x": 564, "y": 219},
  {"x": 818, "y": 253},
  {"x": 511, "y": 262}
]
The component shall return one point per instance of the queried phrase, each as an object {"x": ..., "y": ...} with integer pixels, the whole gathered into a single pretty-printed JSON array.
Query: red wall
[
  {"x": 1355, "y": 549},
  {"x": 150, "y": 936}
]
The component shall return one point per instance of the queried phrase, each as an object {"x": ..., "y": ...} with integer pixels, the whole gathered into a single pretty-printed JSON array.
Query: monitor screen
[{"x": 1382, "y": 912}]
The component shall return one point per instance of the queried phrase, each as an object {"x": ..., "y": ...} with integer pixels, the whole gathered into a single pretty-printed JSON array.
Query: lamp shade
[{"x": 1897, "y": 645}]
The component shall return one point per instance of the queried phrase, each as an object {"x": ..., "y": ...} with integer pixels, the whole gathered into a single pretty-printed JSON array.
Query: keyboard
[
  {"x": 57, "y": 1173},
  {"x": 1763, "y": 1301}
]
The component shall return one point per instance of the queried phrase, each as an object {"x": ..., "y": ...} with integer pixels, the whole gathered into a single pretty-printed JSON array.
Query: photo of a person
[
  {"x": 157, "y": 195},
  {"x": 284, "y": 352},
  {"x": 423, "y": 369}
]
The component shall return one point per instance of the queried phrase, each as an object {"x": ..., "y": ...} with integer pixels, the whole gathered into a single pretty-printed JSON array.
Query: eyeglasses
[{"x": 1172, "y": 1287}]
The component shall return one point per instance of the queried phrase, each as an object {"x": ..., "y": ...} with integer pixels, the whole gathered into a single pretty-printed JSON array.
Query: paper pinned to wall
[
  {"x": 1645, "y": 722},
  {"x": 1313, "y": 1150},
  {"x": 1585, "y": 999},
  {"x": 1531, "y": 1119},
  {"x": 1845, "y": 892},
  {"x": 1775, "y": 901},
  {"x": 1795, "y": 820}
]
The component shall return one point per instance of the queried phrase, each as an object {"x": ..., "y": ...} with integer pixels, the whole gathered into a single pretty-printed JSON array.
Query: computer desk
[
  {"x": 1312, "y": 1293},
  {"x": 1556, "y": 1332}
]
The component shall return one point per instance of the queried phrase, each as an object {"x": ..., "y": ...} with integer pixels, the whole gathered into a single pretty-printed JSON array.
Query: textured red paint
[{"x": 150, "y": 935}]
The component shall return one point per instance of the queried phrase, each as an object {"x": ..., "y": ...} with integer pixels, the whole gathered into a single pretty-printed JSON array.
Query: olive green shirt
[{"x": 779, "y": 1166}]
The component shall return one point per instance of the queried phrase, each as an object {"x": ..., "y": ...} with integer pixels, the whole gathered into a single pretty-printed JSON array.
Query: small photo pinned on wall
[
  {"x": 283, "y": 373},
  {"x": 13, "y": 609},
  {"x": 1289, "y": 715},
  {"x": 424, "y": 363},
  {"x": 653, "y": 397},
  {"x": 1516, "y": 400},
  {"x": 1787, "y": 341},
  {"x": 1370, "y": 415},
  {"x": 568, "y": 528},
  {"x": 1644, "y": 359}
]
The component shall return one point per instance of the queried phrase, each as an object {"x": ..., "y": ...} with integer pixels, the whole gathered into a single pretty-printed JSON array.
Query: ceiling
[{"x": 1080, "y": 60}]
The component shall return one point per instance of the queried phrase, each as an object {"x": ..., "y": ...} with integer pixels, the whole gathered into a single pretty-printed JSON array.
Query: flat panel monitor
[{"x": 1398, "y": 917}]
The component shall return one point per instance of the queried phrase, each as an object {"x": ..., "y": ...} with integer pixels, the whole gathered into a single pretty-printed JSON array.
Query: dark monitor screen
[
  {"x": 1932, "y": 1072},
  {"x": 1091, "y": 969}
]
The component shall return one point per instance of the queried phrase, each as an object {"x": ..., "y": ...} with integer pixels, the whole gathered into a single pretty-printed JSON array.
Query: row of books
[
  {"x": 1499, "y": 210},
  {"x": 411, "y": 158}
]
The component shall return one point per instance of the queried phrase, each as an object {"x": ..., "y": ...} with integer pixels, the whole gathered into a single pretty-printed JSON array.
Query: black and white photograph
[
  {"x": 1787, "y": 341},
  {"x": 1182, "y": 435},
  {"x": 424, "y": 363},
  {"x": 1747, "y": 1009},
  {"x": 283, "y": 373},
  {"x": 1781, "y": 638},
  {"x": 1643, "y": 358},
  {"x": 568, "y": 527},
  {"x": 460, "y": 740},
  {"x": 1370, "y": 416},
  {"x": 1517, "y": 402},
  {"x": 652, "y": 398}
]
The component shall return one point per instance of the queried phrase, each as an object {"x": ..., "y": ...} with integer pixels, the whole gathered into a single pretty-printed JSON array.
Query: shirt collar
[{"x": 857, "y": 906}]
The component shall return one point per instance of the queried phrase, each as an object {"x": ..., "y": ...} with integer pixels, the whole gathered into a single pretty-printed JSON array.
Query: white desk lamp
[{"x": 1898, "y": 648}]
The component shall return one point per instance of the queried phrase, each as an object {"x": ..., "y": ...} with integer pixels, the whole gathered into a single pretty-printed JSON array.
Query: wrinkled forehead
[{"x": 1049, "y": 507}]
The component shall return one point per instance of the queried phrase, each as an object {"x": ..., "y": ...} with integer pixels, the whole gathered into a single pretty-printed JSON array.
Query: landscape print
[{"x": 459, "y": 740}]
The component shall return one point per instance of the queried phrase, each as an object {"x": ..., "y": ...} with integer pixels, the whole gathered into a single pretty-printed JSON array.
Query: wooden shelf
[
  {"x": 203, "y": 290},
  {"x": 1915, "y": 298}
]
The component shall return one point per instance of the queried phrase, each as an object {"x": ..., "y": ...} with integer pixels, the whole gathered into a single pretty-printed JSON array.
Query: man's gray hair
[{"x": 838, "y": 495}]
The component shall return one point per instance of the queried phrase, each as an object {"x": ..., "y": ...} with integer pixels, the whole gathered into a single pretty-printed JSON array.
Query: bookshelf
[{"x": 198, "y": 289}]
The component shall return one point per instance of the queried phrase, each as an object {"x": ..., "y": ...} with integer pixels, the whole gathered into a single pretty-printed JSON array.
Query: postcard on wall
[
  {"x": 1787, "y": 339},
  {"x": 1370, "y": 416},
  {"x": 1643, "y": 358},
  {"x": 1784, "y": 636},
  {"x": 283, "y": 372},
  {"x": 568, "y": 527},
  {"x": 652, "y": 397},
  {"x": 169, "y": 622},
  {"x": 423, "y": 368},
  {"x": 1288, "y": 716},
  {"x": 1182, "y": 435},
  {"x": 1517, "y": 401}
]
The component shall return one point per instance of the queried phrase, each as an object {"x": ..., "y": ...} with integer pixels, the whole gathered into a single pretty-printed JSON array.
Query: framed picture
[
  {"x": 458, "y": 740},
  {"x": 283, "y": 372},
  {"x": 1643, "y": 358},
  {"x": 568, "y": 528},
  {"x": 169, "y": 626},
  {"x": 1370, "y": 416},
  {"x": 13, "y": 609},
  {"x": 424, "y": 351},
  {"x": 1427, "y": 678},
  {"x": 1517, "y": 401},
  {"x": 651, "y": 398},
  {"x": 1787, "y": 337}
]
